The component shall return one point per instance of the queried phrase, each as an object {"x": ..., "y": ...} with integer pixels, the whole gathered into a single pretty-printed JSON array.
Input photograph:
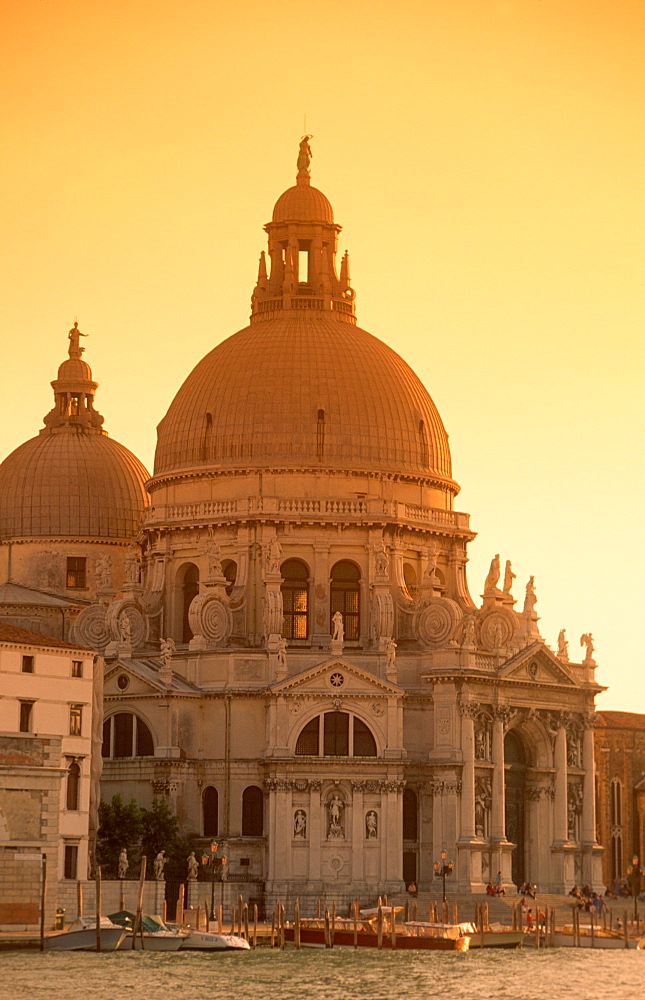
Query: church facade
[{"x": 292, "y": 654}]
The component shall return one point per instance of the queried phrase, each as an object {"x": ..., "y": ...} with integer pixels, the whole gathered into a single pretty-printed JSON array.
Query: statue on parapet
[
  {"x": 168, "y": 647},
  {"x": 490, "y": 586},
  {"x": 193, "y": 867},
  {"x": 530, "y": 600},
  {"x": 586, "y": 640},
  {"x": 563, "y": 645},
  {"x": 304, "y": 155},
  {"x": 274, "y": 556},
  {"x": 124, "y": 864},
  {"x": 338, "y": 634},
  {"x": 509, "y": 576},
  {"x": 160, "y": 861}
]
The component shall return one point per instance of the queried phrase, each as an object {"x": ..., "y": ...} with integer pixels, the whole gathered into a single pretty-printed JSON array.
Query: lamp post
[
  {"x": 214, "y": 846},
  {"x": 635, "y": 872},
  {"x": 443, "y": 868}
]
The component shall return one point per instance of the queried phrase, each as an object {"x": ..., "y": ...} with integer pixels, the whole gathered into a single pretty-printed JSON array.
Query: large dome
[
  {"x": 72, "y": 481},
  {"x": 76, "y": 485},
  {"x": 303, "y": 392}
]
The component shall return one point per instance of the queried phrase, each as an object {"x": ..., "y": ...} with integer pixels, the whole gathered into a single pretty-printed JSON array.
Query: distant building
[
  {"x": 620, "y": 777},
  {"x": 293, "y": 656},
  {"x": 46, "y": 701}
]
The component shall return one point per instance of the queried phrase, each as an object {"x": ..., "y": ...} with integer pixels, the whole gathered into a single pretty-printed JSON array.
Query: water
[{"x": 313, "y": 974}]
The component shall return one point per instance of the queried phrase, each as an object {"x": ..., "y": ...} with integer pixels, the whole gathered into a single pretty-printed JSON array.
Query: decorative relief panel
[
  {"x": 496, "y": 630},
  {"x": 90, "y": 628},
  {"x": 210, "y": 616},
  {"x": 436, "y": 623},
  {"x": 125, "y": 622}
]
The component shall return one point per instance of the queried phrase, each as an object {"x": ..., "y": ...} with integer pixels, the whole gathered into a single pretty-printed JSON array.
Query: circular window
[
  {"x": 123, "y": 682},
  {"x": 533, "y": 669},
  {"x": 336, "y": 680}
]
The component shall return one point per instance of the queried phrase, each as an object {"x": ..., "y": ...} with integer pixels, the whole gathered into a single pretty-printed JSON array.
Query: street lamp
[
  {"x": 635, "y": 872},
  {"x": 214, "y": 846},
  {"x": 443, "y": 868}
]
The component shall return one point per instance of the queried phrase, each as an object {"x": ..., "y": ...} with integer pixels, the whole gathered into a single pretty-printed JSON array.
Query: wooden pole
[
  {"x": 255, "y": 926},
  {"x": 220, "y": 917},
  {"x": 393, "y": 934},
  {"x": 333, "y": 923},
  {"x": 240, "y": 907},
  {"x": 318, "y": 909},
  {"x": 122, "y": 900},
  {"x": 232, "y": 931},
  {"x": 179, "y": 907},
  {"x": 355, "y": 923},
  {"x": 246, "y": 921},
  {"x": 79, "y": 899},
  {"x": 593, "y": 929},
  {"x": 379, "y": 926},
  {"x": 626, "y": 932},
  {"x": 43, "y": 898},
  {"x": 98, "y": 908},
  {"x": 282, "y": 928},
  {"x": 296, "y": 924},
  {"x": 137, "y": 920},
  {"x": 327, "y": 929},
  {"x": 406, "y": 915},
  {"x": 455, "y": 919}
]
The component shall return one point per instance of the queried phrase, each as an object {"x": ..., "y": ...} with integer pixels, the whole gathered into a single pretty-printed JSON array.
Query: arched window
[
  {"x": 210, "y": 802},
  {"x": 252, "y": 812},
  {"x": 126, "y": 735},
  {"x": 410, "y": 815},
  {"x": 73, "y": 785},
  {"x": 513, "y": 750},
  {"x": 190, "y": 590},
  {"x": 339, "y": 734},
  {"x": 295, "y": 599},
  {"x": 410, "y": 578},
  {"x": 345, "y": 596},
  {"x": 229, "y": 569}
]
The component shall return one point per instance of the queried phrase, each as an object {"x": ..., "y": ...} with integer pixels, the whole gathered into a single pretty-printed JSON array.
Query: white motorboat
[
  {"x": 209, "y": 941},
  {"x": 156, "y": 935},
  {"x": 81, "y": 936}
]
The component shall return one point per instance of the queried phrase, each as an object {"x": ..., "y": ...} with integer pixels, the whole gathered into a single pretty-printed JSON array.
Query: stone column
[
  {"x": 498, "y": 806},
  {"x": 467, "y": 812},
  {"x": 319, "y": 597},
  {"x": 314, "y": 829},
  {"x": 358, "y": 830},
  {"x": 283, "y": 806},
  {"x": 270, "y": 784},
  {"x": 560, "y": 818},
  {"x": 589, "y": 789}
]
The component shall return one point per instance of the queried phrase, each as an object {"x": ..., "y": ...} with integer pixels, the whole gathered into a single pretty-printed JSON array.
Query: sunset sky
[{"x": 485, "y": 159}]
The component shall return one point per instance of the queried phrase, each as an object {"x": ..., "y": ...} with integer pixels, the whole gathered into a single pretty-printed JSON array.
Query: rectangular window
[
  {"x": 77, "y": 668},
  {"x": 75, "y": 573},
  {"x": 26, "y": 712},
  {"x": 336, "y": 734},
  {"x": 71, "y": 860},
  {"x": 75, "y": 720},
  {"x": 27, "y": 664}
]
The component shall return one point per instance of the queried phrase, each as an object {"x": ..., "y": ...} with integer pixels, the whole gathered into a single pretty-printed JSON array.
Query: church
[{"x": 291, "y": 651}]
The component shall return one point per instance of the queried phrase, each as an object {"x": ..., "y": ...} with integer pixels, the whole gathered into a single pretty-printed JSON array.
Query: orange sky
[{"x": 485, "y": 159}]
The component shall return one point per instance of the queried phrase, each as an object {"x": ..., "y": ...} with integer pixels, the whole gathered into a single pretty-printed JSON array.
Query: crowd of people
[{"x": 586, "y": 899}]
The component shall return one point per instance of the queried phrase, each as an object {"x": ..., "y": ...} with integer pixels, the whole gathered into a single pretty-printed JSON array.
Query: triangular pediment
[
  {"x": 336, "y": 676},
  {"x": 142, "y": 679},
  {"x": 537, "y": 664}
]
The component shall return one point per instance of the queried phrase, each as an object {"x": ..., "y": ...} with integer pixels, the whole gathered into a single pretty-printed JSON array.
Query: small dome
[
  {"x": 72, "y": 484},
  {"x": 74, "y": 370},
  {"x": 328, "y": 395},
  {"x": 303, "y": 203}
]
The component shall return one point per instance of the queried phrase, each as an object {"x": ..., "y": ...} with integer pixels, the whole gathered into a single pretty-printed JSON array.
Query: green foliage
[
  {"x": 160, "y": 829},
  {"x": 120, "y": 825}
]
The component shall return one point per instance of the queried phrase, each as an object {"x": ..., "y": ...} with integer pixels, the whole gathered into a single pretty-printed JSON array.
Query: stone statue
[
  {"x": 509, "y": 576},
  {"x": 167, "y": 649},
  {"x": 490, "y": 586},
  {"x": 480, "y": 816},
  {"x": 469, "y": 631},
  {"x": 431, "y": 568},
  {"x": 125, "y": 628},
  {"x": 336, "y": 806},
  {"x": 282, "y": 654},
  {"x": 304, "y": 155},
  {"x": 160, "y": 861},
  {"x": 480, "y": 743},
  {"x": 371, "y": 825},
  {"x": 390, "y": 656},
  {"x": 381, "y": 559},
  {"x": 75, "y": 350},
  {"x": 124, "y": 864},
  {"x": 274, "y": 556},
  {"x": 530, "y": 599},
  {"x": 103, "y": 569},
  {"x": 193, "y": 867},
  {"x": 586, "y": 640},
  {"x": 131, "y": 564},
  {"x": 214, "y": 556},
  {"x": 339, "y": 628},
  {"x": 300, "y": 823},
  {"x": 563, "y": 645}
]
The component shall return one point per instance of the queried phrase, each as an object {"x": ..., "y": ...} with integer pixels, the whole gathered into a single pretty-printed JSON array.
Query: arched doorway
[{"x": 515, "y": 774}]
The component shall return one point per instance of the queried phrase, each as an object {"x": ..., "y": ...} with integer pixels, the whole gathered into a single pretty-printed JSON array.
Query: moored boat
[
  {"x": 495, "y": 936},
  {"x": 80, "y": 935},
  {"x": 364, "y": 934},
  {"x": 210, "y": 941},
  {"x": 156, "y": 935},
  {"x": 602, "y": 938}
]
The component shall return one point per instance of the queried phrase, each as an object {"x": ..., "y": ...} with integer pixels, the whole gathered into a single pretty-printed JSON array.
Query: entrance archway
[{"x": 515, "y": 779}]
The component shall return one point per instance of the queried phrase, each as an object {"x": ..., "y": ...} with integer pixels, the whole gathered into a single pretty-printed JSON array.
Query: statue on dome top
[
  {"x": 75, "y": 350},
  {"x": 304, "y": 156}
]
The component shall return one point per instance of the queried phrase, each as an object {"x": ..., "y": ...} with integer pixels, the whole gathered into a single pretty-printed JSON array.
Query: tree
[{"x": 120, "y": 825}]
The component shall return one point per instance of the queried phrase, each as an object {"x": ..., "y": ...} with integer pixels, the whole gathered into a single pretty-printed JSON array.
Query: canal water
[{"x": 312, "y": 974}]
